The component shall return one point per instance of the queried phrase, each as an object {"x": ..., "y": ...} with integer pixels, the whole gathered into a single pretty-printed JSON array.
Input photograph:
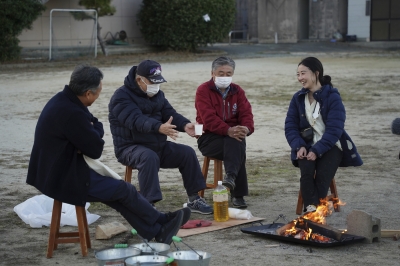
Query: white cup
[{"x": 198, "y": 128}]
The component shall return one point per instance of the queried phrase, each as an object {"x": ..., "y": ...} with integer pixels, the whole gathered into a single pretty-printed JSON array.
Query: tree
[
  {"x": 15, "y": 16},
  {"x": 186, "y": 24},
  {"x": 103, "y": 8}
]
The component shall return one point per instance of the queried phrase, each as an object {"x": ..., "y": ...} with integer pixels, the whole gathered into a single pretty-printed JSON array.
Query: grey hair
[
  {"x": 84, "y": 78},
  {"x": 222, "y": 61}
]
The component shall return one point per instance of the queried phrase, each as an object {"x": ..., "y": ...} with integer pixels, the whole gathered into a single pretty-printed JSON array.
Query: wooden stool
[
  {"x": 128, "y": 174},
  {"x": 56, "y": 237},
  {"x": 217, "y": 173},
  {"x": 333, "y": 197}
]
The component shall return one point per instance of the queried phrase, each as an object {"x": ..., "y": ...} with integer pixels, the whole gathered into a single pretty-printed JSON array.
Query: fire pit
[
  {"x": 331, "y": 237},
  {"x": 310, "y": 229}
]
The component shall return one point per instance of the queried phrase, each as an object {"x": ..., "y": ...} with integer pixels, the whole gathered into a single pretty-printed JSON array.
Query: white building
[{"x": 70, "y": 32}]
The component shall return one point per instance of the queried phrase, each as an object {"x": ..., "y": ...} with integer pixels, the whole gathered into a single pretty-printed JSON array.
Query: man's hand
[
  {"x": 168, "y": 129},
  {"x": 238, "y": 132},
  {"x": 189, "y": 129}
]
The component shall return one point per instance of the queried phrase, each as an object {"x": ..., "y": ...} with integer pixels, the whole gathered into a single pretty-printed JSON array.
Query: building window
[{"x": 368, "y": 8}]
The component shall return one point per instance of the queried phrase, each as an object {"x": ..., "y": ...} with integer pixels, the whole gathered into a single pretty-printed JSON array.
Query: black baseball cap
[{"x": 151, "y": 70}]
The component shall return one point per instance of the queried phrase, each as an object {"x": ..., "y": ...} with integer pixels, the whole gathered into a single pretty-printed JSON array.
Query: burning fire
[{"x": 324, "y": 209}]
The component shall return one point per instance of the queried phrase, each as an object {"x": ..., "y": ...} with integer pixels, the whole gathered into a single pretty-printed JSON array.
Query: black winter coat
[
  {"x": 136, "y": 118},
  {"x": 63, "y": 133}
]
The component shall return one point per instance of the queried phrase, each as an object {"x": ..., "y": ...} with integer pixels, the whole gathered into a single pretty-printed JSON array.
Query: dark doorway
[
  {"x": 385, "y": 20},
  {"x": 304, "y": 15},
  {"x": 241, "y": 24}
]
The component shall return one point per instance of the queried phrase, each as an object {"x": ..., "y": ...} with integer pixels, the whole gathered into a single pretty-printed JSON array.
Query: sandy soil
[{"x": 369, "y": 87}]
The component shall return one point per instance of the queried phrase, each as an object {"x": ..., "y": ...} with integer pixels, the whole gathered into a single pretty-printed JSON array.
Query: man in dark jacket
[
  {"x": 225, "y": 112},
  {"x": 65, "y": 132},
  {"x": 141, "y": 119}
]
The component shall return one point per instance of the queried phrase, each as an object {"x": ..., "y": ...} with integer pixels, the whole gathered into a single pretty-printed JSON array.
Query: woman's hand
[
  {"x": 311, "y": 156},
  {"x": 302, "y": 153}
]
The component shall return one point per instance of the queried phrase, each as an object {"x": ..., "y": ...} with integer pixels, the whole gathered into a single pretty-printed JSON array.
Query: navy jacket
[
  {"x": 333, "y": 114},
  {"x": 136, "y": 118},
  {"x": 63, "y": 133}
]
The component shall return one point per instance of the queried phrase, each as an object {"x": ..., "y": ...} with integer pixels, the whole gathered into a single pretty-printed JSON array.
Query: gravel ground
[{"x": 367, "y": 78}]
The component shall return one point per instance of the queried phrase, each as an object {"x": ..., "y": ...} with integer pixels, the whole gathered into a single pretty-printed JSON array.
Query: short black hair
[{"x": 84, "y": 78}]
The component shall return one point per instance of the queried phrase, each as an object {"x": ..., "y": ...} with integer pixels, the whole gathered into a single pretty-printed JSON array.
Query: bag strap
[{"x": 315, "y": 113}]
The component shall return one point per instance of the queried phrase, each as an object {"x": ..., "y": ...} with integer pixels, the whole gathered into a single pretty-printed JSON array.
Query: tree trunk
[{"x": 100, "y": 39}]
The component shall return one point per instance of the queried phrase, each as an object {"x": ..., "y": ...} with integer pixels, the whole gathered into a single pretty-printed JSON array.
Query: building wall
[
  {"x": 359, "y": 22},
  {"x": 246, "y": 17},
  {"x": 70, "y": 32},
  {"x": 327, "y": 18},
  {"x": 277, "y": 16}
]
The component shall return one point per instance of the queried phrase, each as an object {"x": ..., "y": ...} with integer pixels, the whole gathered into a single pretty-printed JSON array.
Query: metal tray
[{"x": 268, "y": 231}]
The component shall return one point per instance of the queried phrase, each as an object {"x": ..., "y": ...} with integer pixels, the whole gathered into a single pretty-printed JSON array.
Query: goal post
[{"x": 92, "y": 39}]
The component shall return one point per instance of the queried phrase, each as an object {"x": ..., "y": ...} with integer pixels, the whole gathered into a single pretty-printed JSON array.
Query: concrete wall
[
  {"x": 277, "y": 16},
  {"x": 246, "y": 17},
  {"x": 327, "y": 17},
  {"x": 70, "y": 32},
  {"x": 359, "y": 23}
]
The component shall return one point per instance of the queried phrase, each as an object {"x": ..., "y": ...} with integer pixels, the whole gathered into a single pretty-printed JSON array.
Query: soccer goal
[{"x": 73, "y": 33}]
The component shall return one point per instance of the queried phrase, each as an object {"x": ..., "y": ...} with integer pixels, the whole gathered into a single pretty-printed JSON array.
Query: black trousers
[
  {"x": 232, "y": 152},
  {"x": 173, "y": 155},
  {"x": 124, "y": 198},
  {"x": 316, "y": 176}
]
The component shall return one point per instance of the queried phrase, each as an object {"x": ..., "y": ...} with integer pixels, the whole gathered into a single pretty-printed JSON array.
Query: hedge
[{"x": 180, "y": 25}]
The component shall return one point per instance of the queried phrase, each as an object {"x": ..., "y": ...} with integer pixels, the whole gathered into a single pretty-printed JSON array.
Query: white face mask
[
  {"x": 222, "y": 82},
  {"x": 152, "y": 89}
]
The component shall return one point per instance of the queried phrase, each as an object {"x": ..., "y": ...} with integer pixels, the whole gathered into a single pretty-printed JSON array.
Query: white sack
[
  {"x": 37, "y": 212},
  {"x": 239, "y": 214}
]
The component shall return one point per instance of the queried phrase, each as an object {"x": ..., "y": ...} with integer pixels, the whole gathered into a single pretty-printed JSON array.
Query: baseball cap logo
[
  {"x": 151, "y": 70},
  {"x": 155, "y": 71}
]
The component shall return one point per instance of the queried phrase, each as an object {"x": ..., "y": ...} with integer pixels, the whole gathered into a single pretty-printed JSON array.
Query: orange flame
[{"x": 324, "y": 209}]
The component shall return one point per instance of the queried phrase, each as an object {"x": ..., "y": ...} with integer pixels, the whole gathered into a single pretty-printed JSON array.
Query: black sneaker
[
  {"x": 185, "y": 218},
  {"x": 239, "y": 203},
  {"x": 170, "y": 229},
  {"x": 229, "y": 182}
]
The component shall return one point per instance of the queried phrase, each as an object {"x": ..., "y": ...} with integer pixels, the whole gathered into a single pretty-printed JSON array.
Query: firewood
[
  {"x": 281, "y": 230},
  {"x": 385, "y": 233}
]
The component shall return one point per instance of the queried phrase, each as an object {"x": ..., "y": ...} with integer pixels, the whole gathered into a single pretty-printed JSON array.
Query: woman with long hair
[{"x": 314, "y": 129}]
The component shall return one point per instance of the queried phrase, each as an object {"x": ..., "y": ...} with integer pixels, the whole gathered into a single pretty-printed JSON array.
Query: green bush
[
  {"x": 15, "y": 16},
  {"x": 179, "y": 24}
]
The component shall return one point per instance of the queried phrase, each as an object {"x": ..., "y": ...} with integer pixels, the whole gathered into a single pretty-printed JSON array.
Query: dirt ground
[{"x": 369, "y": 85}]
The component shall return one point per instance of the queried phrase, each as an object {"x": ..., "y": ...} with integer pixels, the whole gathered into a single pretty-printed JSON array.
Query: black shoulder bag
[{"x": 308, "y": 133}]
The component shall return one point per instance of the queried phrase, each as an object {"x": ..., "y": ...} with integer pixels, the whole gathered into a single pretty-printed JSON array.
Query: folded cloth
[
  {"x": 195, "y": 224},
  {"x": 100, "y": 167}
]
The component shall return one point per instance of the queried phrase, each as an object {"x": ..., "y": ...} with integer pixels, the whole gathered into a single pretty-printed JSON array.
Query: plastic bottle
[{"x": 220, "y": 199}]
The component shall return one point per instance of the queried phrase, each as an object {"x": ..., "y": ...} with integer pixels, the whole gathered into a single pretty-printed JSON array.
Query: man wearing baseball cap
[{"x": 141, "y": 119}]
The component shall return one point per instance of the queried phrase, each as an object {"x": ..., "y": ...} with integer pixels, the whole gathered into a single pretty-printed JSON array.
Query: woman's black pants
[{"x": 316, "y": 176}]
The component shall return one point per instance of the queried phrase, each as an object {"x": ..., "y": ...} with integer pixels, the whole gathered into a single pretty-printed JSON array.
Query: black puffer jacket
[{"x": 136, "y": 118}]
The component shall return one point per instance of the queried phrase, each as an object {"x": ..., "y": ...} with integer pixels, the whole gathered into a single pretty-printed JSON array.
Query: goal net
[{"x": 73, "y": 33}]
